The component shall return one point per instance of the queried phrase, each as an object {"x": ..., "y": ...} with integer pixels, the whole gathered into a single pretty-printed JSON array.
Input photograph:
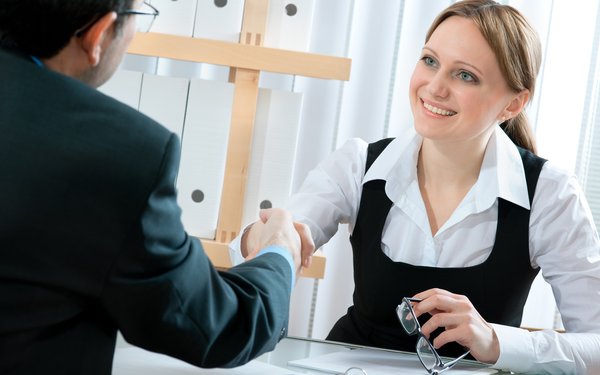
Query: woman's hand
[
  {"x": 308, "y": 245},
  {"x": 461, "y": 321},
  {"x": 252, "y": 240}
]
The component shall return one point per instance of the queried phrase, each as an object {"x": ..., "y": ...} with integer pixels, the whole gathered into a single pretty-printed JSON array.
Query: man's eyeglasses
[
  {"x": 425, "y": 351},
  {"x": 143, "y": 24}
]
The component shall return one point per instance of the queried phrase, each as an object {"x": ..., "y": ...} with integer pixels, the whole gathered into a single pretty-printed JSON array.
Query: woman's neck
[
  {"x": 446, "y": 164},
  {"x": 446, "y": 172}
]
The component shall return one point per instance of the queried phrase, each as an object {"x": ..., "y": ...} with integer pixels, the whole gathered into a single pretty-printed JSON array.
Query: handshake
[{"x": 276, "y": 227}]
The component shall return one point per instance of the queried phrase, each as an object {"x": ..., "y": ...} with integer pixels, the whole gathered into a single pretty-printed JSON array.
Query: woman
[{"x": 462, "y": 214}]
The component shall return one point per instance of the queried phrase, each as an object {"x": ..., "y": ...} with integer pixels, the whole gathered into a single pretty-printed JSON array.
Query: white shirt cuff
[
  {"x": 235, "y": 252},
  {"x": 516, "y": 348},
  {"x": 235, "y": 248}
]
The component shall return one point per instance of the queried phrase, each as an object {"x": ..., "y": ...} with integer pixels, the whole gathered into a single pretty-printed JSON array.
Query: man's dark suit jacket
[{"x": 91, "y": 241}]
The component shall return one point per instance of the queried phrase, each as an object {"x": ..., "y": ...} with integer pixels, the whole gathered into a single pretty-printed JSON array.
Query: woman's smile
[{"x": 437, "y": 110}]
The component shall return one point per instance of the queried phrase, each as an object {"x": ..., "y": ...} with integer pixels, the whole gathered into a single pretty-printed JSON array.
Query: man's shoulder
[{"x": 28, "y": 85}]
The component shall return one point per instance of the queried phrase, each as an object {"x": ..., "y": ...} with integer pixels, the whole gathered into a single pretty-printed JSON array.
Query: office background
[{"x": 312, "y": 117}]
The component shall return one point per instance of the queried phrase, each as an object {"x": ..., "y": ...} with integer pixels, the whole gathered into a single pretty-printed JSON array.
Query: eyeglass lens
[
  {"x": 143, "y": 24},
  {"x": 145, "y": 20},
  {"x": 409, "y": 323},
  {"x": 425, "y": 352}
]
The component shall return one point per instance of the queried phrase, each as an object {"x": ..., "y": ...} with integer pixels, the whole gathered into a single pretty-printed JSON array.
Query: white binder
[
  {"x": 204, "y": 153},
  {"x": 289, "y": 24},
  {"x": 190, "y": 69},
  {"x": 179, "y": 68},
  {"x": 273, "y": 151},
  {"x": 139, "y": 63},
  {"x": 164, "y": 99},
  {"x": 176, "y": 17},
  {"x": 125, "y": 86},
  {"x": 219, "y": 19}
]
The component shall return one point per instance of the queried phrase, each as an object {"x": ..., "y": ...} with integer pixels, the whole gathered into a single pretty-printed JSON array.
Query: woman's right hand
[{"x": 253, "y": 239}]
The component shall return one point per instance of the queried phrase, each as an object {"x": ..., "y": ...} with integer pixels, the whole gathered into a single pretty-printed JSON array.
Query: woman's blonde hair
[{"x": 517, "y": 48}]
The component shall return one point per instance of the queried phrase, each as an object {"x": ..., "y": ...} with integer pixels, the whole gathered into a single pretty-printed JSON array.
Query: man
[{"x": 91, "y": 240}]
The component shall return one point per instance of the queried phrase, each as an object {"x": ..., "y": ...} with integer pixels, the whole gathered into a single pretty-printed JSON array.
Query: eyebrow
[{"x": 458, "y": 61}]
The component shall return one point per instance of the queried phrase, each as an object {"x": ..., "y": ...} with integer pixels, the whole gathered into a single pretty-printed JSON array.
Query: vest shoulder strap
[
  {"x": 375, "y": 149},
  {"x": 533, "y": 166}
]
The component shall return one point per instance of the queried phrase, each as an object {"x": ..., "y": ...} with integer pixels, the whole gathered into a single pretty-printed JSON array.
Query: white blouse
[{"x": 563, "y": 240}]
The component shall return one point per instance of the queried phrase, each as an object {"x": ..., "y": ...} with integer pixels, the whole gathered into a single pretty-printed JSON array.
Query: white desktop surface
[
  {"x": 136, "y": 361},
  {"x": 292, "y": 356}
]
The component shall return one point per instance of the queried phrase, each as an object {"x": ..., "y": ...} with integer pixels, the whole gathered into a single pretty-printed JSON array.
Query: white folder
[
  {"x": 125, "y": 86},
  {"x": 179, "y": 68},
  {"x": 204, "y": 152},
  {"x": 176, "y": 17},
  {"x": 219, "y": 19},
  {"x": 190, "y": 69},
  {"x": 164, "y": 99},
  {"x": 273, "y": 151},
  {"x": 289, "y": 24},
  {"x": 139, "y": 63}
]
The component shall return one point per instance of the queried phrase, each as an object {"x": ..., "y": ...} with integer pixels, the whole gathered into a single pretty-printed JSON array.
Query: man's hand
[
  {"x": 274, "y": 228},
  {"x": 253, "y": 238}
]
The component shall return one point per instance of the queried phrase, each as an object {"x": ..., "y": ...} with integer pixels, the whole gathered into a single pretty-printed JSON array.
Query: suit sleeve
[{"x": 165, "y": 295}]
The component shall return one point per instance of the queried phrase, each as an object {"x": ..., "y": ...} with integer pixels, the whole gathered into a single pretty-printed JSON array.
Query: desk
[{"x": 292, "y": 356}]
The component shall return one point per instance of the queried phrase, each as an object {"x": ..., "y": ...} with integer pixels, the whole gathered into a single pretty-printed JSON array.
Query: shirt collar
[
  {"x": 397, "y": 164},
  {"x": 37, "y": 61},
  {"x": 502, "y": 174},
  {"x": 502, "y": 166}
]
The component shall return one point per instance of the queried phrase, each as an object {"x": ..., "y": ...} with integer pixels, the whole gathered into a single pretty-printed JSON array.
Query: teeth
[{"x": 438, "y": 111}]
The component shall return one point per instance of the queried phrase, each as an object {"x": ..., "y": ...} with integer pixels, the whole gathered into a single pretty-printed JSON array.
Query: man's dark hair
[{"x": 42, "y": 28}]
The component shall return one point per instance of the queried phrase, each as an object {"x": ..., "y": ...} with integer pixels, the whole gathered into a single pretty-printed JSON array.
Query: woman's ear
[
  {"x": 516, "y": 105},
  {"x": 94, "y": 38}
]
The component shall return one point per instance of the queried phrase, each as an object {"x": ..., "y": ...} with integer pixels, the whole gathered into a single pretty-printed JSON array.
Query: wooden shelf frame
[
  {"x": 246, "y": 60},
  {"x": 241, "y": 56}
]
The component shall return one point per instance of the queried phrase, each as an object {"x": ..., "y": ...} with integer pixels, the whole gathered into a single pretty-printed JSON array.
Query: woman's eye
[
  {"x": 428, "y": 60},
  {"x": 466, "y": 76}
]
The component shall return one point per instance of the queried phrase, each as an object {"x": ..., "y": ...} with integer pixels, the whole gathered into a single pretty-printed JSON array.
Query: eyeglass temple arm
[{"x": 454, "y": 361}]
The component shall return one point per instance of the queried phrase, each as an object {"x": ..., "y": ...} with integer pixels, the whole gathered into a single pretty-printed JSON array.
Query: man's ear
[{"x": 93, "y": 39}]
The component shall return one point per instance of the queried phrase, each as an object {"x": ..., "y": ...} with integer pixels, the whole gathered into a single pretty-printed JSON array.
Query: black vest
[{"x": 498, "y": 287}]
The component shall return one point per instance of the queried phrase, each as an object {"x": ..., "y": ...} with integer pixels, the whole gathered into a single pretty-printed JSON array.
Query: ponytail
[{"x": 519, "y": 131}]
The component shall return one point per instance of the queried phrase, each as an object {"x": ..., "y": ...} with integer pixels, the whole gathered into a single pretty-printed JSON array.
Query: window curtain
[{"x": 588, "y": 155}]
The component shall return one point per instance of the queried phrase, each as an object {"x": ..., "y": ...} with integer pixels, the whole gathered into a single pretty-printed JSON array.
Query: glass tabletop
[
  {"x": 294, "y": 356},
  {"x": 312, "y": 356}
]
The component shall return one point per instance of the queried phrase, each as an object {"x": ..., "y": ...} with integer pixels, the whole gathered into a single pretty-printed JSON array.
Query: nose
[{"x": 438, "y": 85}]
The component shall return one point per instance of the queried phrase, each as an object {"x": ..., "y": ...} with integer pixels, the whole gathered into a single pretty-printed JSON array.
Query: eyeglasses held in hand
[{"x": 425, "y": 351}]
